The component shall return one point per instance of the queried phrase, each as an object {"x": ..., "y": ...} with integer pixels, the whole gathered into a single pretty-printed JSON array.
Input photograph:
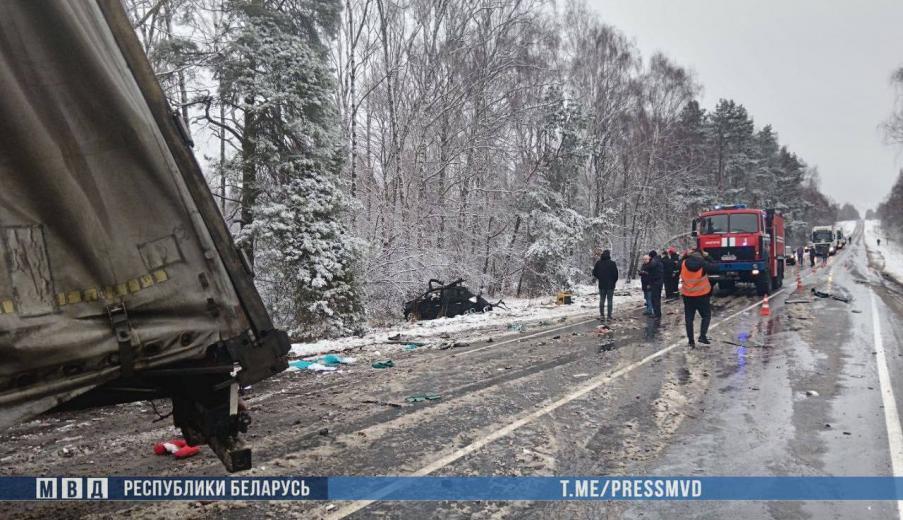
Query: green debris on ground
[{"x": 416, "y": 398}]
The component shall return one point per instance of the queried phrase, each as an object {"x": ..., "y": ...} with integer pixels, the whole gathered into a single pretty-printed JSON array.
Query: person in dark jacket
[
  {"x": 644, "y": 284},
  {"x": 811, "y": 256},
  {"x": 697, "y": 291},
  {"x": 668, "y": 267},
  {"x": 606, "y": 274},
  {"x": 656, "y": 282},
  {"x": 675, "y": 275}
]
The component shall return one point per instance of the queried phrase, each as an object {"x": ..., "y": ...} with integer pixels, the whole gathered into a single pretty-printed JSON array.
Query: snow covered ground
[
  {"x": 521, "y": 316},
  {"x": 890, "y": 250}
]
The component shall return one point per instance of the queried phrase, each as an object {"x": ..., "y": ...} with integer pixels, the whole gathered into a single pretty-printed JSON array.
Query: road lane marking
[
  {"x": 540, "y": 333},
  {"x": 503, "y": 431},
  {"x": 891, "y": 417},
  {"x": 519, "y": 338}
]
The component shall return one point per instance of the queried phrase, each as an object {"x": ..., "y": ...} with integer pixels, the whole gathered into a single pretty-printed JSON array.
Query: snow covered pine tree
[{"x": 275, "y": 68}]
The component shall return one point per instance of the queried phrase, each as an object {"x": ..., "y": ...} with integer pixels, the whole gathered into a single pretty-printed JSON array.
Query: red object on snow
[
  {"x": 187, "y": 451},
  {"x": 172, "y": 446},
  {"x": 765, "y": 310},
  {"x": 603, "y": 329}
]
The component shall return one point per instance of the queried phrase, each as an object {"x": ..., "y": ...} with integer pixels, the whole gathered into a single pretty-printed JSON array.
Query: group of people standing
[
  {"x": 800, "y": 254},
  {"x": 656, "y": 273},
  {"x": 686, "y": 276}
]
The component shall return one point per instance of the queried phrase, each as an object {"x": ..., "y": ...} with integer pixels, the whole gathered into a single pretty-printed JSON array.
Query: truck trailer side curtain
[{"x": 110, "y": 257}]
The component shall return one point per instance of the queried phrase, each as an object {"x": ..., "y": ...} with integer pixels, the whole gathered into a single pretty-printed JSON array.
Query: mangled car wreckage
[{"x": 443, "y": 300}]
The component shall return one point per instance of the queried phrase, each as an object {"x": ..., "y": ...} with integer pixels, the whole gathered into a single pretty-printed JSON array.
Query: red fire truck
[{"x": 747, "y": 244}]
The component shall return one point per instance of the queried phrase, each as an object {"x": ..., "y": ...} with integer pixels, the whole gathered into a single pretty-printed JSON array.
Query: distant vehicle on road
[
  {"x": 841, "y": 241},
  {"x": 824, "y": 240},
  {"x": 747, "y": 244}
]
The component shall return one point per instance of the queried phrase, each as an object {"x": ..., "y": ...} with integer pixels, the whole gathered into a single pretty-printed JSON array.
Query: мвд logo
[{"x": 72, "y": 488}]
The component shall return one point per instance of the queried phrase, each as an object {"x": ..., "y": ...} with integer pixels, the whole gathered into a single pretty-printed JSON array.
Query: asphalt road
[{"x": 803, "y": 395}]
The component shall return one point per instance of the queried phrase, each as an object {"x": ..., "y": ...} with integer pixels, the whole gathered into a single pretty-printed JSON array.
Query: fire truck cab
[{"x": 747, "y": 244}]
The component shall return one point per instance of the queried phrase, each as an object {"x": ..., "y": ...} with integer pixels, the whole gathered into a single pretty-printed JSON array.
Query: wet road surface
[{"x": 795, "y": 393}]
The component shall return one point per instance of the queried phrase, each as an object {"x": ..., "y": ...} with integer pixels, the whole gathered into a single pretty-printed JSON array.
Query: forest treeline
[
  {"x": 361, "y": 147},
  {"x": 890, "y": 210}
]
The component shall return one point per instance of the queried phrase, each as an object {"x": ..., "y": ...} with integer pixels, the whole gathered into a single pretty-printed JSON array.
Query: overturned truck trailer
[{"x": 119, "y": 280}]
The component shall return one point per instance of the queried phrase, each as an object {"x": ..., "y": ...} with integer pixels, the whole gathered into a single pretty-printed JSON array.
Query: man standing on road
[
  {"x": 644, "y": 284},
  {"x": 696, "y": 292},
  {"x": 606, "y": 273},
  {"x": 668, "y": 271},
  {"x": 656, "y": 281},
  {"x": 675, "y": 272},
  {"x": 811, "y": 256},
  {"x": 799, "y": 256}
]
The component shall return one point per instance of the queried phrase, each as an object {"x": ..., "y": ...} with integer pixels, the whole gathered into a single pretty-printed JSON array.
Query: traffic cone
[
  {"x": 765, "y": 310},
  {"x": 799, "y": 282}
]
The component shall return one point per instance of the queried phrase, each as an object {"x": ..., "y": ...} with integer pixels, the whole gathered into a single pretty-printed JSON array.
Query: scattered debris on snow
[
  {"x": 517, "y": 327},
  {"x": 452, "y": 344},
  {"x": 838, "y": 294},
  {"x": 416, "y": 398},
  {"x": 383, "y": 403},
  {"x": 519, "y": 315},
  {"x": 603, "y": 329},
  {"x": 310, "y": 365},
  {"x": 178, "y": 448}
]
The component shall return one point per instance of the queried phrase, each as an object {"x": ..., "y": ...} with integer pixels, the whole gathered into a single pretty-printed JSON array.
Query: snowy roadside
[
  {"x": 522, "y": 315},
  {"x": 889, "y": 254}
]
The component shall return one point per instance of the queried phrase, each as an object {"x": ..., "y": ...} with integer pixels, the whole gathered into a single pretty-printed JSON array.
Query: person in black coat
[
  {"x": 606, "y": 274},
  {"x": 668, "y": 271},
  {"x": 656, "y": 279},
  {"x": 644, "y": 284},
  {"x": 675, "y": 274}
]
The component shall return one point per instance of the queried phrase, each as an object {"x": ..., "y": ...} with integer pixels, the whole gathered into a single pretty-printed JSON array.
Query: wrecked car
[{"x": 443, "y": 300}]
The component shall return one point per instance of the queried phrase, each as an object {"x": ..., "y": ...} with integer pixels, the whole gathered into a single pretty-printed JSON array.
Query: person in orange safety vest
[{"x": 696, "y": 290}]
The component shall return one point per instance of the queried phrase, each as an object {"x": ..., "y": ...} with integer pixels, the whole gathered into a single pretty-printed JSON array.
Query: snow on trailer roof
[
  {"x": 848, "y": 226},
  {"x": 734, "y": 209}
]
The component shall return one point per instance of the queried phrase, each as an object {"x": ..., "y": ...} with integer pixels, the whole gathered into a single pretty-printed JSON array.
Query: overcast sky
[{"x": 817, "y": 71}]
